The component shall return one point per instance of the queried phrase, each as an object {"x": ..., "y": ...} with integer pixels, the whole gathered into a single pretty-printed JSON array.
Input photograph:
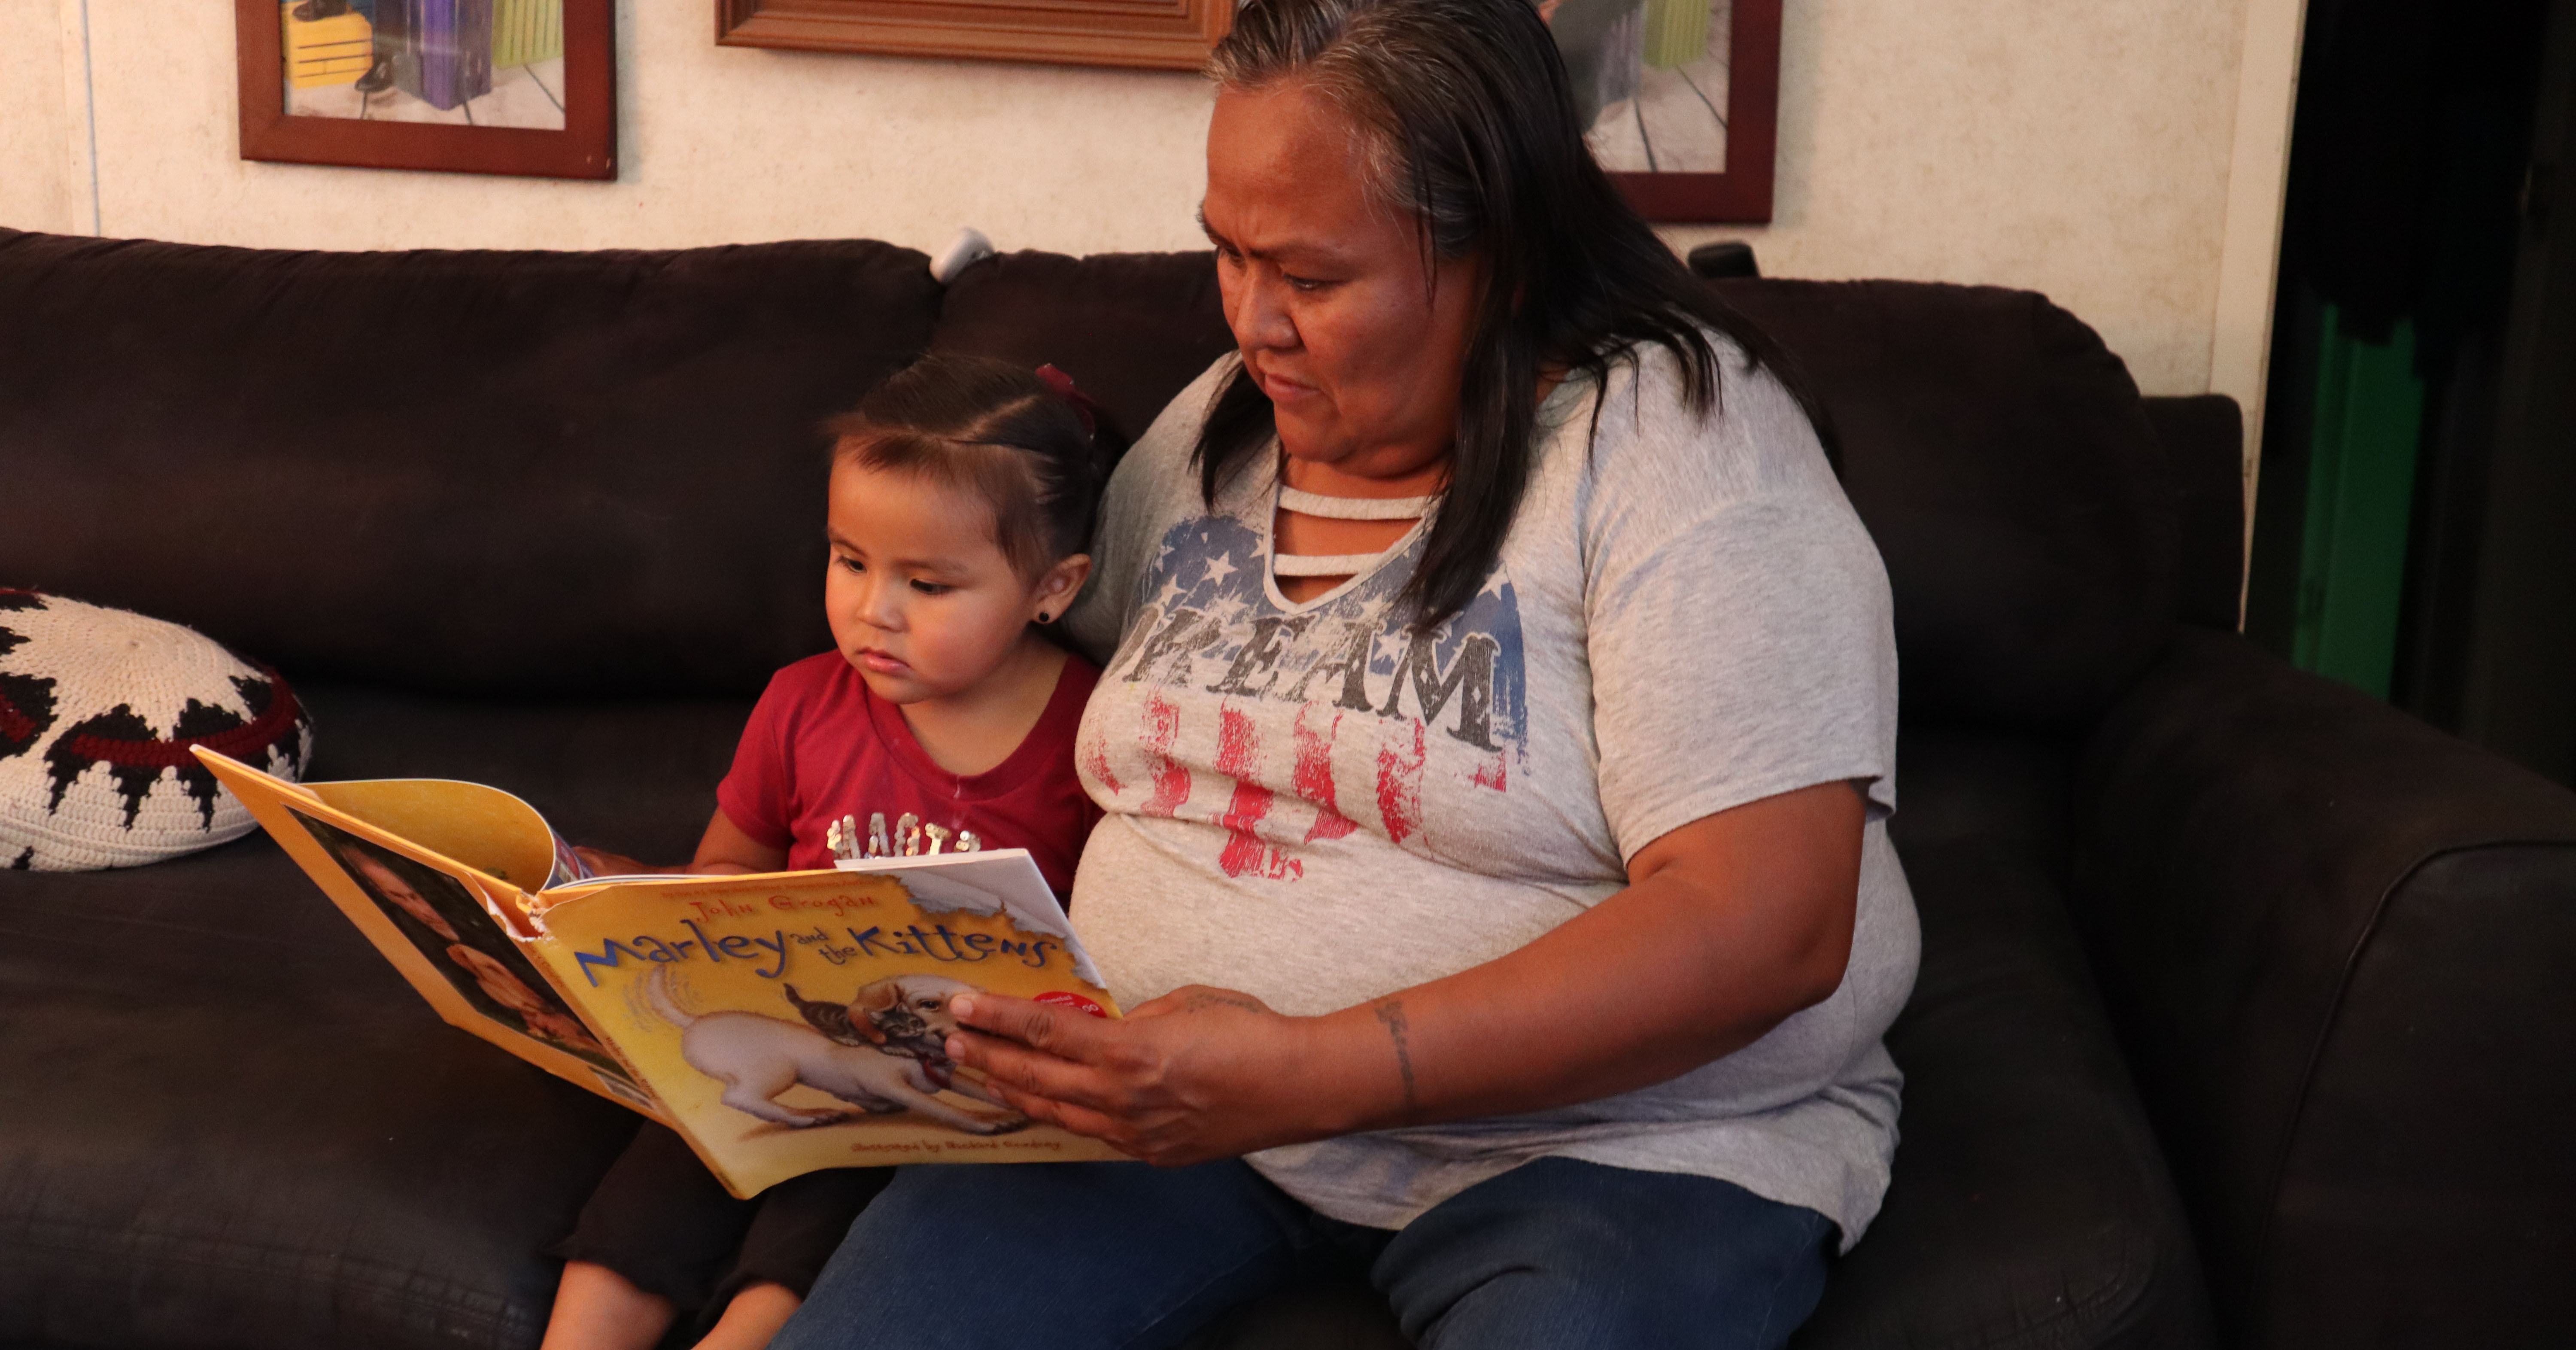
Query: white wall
[
  {"x": 2090, "y": 150},
  {"x": 37, "y": 128},
  {"x": 718, "y": 144},
  {"x": 2077, "y": 149}
]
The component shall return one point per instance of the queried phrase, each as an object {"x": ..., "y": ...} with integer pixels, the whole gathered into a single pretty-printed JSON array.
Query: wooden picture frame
[
  {"x": 1143, "y": 34},
  {"x": 584, "y": 145},
  {"x": 1741, "y": 193},
  {"x": 1177, "y": 35}
]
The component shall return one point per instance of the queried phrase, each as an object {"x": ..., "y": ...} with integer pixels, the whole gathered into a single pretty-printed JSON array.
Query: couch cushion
[
  {"x": 1959, "y": 784},
  {"x": 2000, "y": 457},
  {"x": 496, "y": 472},
  {"x": 1130, "y": 328},
  {"x": 232, "y": 1123},
  {"x": 2030, "y": 1205}
]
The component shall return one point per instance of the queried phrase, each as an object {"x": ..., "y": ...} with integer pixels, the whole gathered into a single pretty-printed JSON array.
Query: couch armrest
[{"x": 2340, "y": 948}]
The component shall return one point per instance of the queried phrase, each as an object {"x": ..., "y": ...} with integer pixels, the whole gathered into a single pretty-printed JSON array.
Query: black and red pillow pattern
[{"x": 98, "y": 710}]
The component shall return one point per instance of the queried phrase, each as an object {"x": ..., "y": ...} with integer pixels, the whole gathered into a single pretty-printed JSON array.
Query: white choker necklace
[{"x": 1306, "y": 503}]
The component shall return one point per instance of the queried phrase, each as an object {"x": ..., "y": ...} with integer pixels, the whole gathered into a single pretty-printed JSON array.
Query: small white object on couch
[
  {"x": 967, "y": 249},
  {"x": 98, "y": 708}
]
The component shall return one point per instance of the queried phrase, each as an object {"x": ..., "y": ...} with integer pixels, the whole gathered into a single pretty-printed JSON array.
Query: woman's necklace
[
  {"x": 1307, "y": 503},
  {"x": 1304, "y": 503}
]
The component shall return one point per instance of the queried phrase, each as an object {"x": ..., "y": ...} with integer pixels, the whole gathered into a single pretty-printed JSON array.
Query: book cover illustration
[
  {"x": 801, "y": 1018},
  {"x": 453, "y": 931},
  {"x": 780, "y": 1022}
]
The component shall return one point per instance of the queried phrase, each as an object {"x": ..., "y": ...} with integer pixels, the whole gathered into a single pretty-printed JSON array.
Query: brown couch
[{"x": 2244, "y": 1002}]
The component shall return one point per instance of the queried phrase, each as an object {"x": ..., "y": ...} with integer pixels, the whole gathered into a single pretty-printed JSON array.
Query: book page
[
  {"x": 988, "y": 882},
  {"x": 795, "y": 1021},
  {"x": 482, "y": 827},
  {"x": 431, "y": 918}
]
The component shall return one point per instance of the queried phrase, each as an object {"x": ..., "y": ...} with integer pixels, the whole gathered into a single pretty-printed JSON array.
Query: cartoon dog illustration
[
  {"x": 758, "y": 1058},
  {"x": 900, "y": 1015}
]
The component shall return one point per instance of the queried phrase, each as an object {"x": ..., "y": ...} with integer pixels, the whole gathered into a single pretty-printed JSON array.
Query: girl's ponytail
[{"x": 1107, "y": 445}]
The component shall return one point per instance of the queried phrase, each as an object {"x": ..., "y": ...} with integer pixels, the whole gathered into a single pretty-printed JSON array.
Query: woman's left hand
[
  {"x": 1197, "y": 1074},
  {"x": 603, "y": 863}
]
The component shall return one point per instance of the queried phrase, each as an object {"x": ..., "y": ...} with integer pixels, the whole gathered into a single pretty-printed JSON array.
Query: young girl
[{"x": 962, "y": 494}]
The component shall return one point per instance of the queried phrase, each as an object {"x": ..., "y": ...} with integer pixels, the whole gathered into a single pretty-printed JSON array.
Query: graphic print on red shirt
[{"x": 821, "y": 746}]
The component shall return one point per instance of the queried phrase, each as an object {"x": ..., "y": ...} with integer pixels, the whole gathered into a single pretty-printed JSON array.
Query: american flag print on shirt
[{"x": 1290, "y": 726}]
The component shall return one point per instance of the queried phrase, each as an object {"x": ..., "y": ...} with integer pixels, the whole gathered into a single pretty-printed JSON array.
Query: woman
[{"x": 1497, "y": 747}]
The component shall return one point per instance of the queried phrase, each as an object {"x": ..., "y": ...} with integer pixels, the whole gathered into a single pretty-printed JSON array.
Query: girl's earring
[{"x": 1044, "y": 617}]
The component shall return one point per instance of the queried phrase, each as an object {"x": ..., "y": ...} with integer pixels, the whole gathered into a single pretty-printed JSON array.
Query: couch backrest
[
  {"x": 1130, "y": 328},
  {"x": 545, "y": 472},
  {"x": 1996, "y": 449},
  {"x": 478, "y": 472},
  {"x": 2003, "y": 462}
]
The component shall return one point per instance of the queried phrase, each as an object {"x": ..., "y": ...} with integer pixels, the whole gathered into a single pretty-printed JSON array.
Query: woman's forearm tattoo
[{"x": 1391, "y": 1013}]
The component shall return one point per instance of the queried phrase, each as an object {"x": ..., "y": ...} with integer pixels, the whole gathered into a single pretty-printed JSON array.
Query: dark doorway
[{"x": 2415, "y": 530}]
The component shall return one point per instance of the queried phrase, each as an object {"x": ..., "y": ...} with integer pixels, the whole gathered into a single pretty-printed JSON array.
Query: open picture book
[{"x": 781, "y": 1022}]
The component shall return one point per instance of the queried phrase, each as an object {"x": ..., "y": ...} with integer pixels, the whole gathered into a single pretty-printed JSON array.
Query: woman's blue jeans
[{"x": 1091, "y": 1256}]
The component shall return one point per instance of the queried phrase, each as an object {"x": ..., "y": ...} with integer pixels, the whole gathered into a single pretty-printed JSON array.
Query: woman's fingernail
[
  {"x": 956, "y": 1047},
  {"x": 962, "y": 1006}
]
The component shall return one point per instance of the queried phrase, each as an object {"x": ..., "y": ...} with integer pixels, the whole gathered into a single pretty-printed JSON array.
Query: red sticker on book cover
[{"x": 1059, "y": 998}]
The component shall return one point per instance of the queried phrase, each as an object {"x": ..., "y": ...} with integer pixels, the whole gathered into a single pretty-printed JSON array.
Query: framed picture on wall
[
  {"x": 1680, "y": 100},
  {"x": 522, "y": 87},
  {"x": 1152, "y": 34}
]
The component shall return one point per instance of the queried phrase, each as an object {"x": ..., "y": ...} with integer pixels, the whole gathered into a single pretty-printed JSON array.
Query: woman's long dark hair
[{"x": 1469, "y": 123}]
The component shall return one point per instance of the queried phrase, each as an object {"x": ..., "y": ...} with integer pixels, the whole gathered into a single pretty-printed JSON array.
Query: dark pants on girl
[{"x": 660, "y": 1219}]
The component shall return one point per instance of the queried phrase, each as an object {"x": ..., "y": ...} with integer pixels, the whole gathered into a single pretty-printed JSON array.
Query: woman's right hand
[{"x": 1199, "y": 1073}]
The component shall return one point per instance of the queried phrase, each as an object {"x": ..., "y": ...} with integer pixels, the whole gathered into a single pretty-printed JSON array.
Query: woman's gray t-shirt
[{"x": 1309, "y": 803}]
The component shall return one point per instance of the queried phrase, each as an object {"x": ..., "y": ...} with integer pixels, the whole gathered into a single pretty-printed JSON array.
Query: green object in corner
[
  {"x": 2361, "y": 495},
  {"x": 1676, "y": 32},
  {"x": 526, "y": 31}
]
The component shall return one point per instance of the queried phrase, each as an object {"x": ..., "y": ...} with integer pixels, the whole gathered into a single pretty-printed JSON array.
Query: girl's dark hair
[
  {"x": 994, "y": 430},
  {"x": 1466, "y": 125}
]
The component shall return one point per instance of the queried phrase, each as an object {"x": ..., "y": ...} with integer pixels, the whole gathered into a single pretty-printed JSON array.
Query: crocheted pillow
[{"x": 97, "y": 710}]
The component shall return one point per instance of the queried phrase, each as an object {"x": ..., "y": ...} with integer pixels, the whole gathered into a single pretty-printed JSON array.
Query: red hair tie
[{"x": 1081, "y": 403}]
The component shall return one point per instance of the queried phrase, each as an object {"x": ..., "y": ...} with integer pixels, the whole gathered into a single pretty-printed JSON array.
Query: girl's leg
[
  {"x": 648, "y": 1247},
  {"x": 800, "y": 1224},
  {"x": 1073, "y": 1256},
  {"x": 598, "y": 1309},
  {"x": 1558, "y": 1252},
  {"x": 751, "y": 1317}
]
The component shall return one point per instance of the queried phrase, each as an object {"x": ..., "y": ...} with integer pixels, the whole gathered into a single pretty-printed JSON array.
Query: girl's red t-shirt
[{"x": 821, "y": 746}]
